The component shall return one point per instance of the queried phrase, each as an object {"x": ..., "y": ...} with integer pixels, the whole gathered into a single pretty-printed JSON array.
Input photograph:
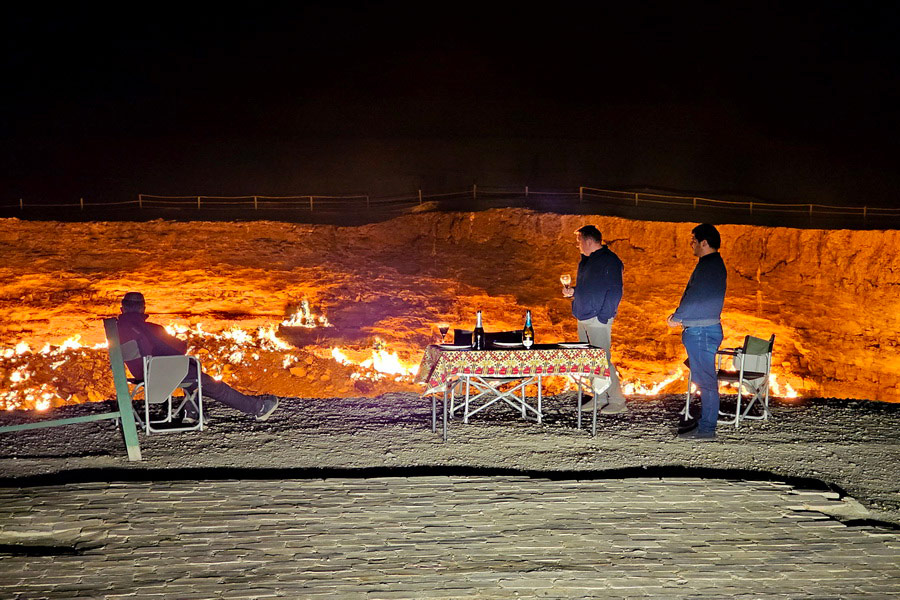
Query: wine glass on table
[{"x": 443, "y": 328}]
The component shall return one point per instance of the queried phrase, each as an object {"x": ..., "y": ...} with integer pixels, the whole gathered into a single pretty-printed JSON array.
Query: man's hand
[
  {"x": 568, "y": 291},
  {"x": 672, "y": 322}
]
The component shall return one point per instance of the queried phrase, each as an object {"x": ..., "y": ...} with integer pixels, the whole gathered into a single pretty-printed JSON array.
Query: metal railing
[{"x": 584, "y": 196}]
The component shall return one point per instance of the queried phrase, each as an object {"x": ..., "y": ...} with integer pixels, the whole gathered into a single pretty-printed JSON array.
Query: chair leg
[
  {"x": 687, "y": 400},
  {"x": 434, "y": 410},
  {"x": 521, "y": 398},
  {"x": 760, "y": 395},
  {"x": 466, "y": 405},
  {"x": 578, "y": 406},
  {"x": 539, "y": 400}
]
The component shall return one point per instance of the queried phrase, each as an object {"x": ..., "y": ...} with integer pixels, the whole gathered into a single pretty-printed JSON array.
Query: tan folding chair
[{"x": 163, "y": 376}]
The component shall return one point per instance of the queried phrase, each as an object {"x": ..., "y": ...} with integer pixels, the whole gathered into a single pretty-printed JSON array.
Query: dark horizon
[{"x": 795, "y": 103}]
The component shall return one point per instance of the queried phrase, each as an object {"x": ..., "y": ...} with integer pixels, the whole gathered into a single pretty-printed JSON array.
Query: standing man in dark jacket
[
  {"x": 595, "y": 303},
  {"x": 152, "y": 340},
  {"x": 699, "y": 313}
]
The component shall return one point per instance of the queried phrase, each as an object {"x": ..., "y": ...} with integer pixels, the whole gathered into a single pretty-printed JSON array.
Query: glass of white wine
[{"x": 565, "y": 279}]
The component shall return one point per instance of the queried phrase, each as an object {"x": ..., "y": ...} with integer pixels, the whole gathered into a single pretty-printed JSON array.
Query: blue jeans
[{"x": 701, "y": 344}]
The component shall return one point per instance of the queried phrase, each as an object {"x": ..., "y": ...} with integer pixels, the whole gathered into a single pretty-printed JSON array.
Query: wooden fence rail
[{"x": 314, "y": 202}]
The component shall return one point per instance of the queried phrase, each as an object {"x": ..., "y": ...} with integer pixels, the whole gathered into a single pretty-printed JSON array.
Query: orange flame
[
  {"x": 639, "y": 388},
  {"x": 379, "y": 364},
  {"x": 33, "y": 379}
]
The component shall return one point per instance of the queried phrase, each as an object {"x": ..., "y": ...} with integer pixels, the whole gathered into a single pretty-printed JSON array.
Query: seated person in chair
[{"x": 152, "y": 340}]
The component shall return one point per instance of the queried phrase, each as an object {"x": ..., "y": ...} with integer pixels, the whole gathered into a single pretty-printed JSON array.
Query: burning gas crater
[
  {"x": 258, "y": 360},
  {"x": 233, "y": 297}
]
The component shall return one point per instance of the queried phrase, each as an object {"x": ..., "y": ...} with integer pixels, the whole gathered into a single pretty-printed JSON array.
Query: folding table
[{"x": 485, "y": 371}]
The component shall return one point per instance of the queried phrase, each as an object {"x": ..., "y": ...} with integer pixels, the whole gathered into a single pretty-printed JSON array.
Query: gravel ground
[{"x": 847, "y": 445}]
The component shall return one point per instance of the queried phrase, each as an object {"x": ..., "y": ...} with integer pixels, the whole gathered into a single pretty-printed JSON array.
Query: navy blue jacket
[
  {"x": 152, "y": 340},
  {"x": 703, "y": 298},
  {"x": 598, "y": 288}
]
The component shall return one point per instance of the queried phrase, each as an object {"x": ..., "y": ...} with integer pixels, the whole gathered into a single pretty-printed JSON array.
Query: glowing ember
[
  {"x": 639, "y": 388},
  {"x": 378, "y": 365},
  {"x": 781, "y": 391},
  {"x": 227, "y": 354},
  {"x": 305, "y": 318},
  {"x": 40, "y": 380},
  {"x": 269, "y": 340}
]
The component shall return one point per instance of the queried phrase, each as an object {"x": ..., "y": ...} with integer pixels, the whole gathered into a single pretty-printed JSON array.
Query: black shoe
[
  {"x": 268, "y": 406},
  {"x": 698, "y": 436},
  {"x": 686, "y": 425},
  {"x": 189, "y": 415}
]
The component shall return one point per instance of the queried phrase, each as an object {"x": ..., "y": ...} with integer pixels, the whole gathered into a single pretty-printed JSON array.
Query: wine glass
[
  {"x": 443, "y": 328},
  {"x": 565, "y": 279}
]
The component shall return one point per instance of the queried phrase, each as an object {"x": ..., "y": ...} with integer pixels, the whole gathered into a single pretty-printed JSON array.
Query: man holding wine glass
[{"x": 595, "y": 303}]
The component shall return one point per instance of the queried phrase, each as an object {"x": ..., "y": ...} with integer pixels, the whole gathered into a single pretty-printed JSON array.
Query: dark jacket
[
  {"x": 598, "y": 288},
  {"x": 152, "y": 340},
  {"x": 703, "y": 298}
]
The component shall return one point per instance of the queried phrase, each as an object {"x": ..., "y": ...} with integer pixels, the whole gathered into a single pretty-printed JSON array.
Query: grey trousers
[
  {"x": 599, "y": 334},
  {"x": 224, "y": 393}
]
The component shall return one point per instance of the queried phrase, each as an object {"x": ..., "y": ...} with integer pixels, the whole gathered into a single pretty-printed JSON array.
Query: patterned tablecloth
[{"x": 439, "y": 366}]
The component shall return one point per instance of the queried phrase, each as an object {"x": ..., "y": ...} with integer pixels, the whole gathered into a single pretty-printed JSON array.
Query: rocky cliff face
[{"x": 830, "y": 297}]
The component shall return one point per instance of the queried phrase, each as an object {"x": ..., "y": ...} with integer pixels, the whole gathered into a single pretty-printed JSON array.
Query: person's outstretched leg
[{"x": 259, "y": 406}]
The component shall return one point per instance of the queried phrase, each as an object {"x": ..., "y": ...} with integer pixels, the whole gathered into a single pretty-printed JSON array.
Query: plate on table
[
  {"x": 509, "y": 344},
  {"x": 454, "y": 346},
  {"x": 574, "y": 345}
]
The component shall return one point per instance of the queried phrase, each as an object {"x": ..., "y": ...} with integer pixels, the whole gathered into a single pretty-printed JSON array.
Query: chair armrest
[{"x": 729, "y": 351}]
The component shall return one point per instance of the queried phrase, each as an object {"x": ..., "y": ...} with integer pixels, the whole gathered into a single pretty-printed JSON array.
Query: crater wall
[{"x": 829, "y": 296}]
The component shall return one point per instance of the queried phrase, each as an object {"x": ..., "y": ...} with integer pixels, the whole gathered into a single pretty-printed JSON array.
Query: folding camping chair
[
  {"x": 751, "y": 365},
  {"x": 163, "y": 376}
]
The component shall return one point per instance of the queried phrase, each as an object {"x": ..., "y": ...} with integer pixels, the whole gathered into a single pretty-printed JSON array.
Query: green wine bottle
[
  {"x": 528, "y": 331},
  {"x": 478, "y": 334}
]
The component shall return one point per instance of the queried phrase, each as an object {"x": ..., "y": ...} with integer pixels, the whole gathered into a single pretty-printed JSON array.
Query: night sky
[{"x": 781, "y": 101}]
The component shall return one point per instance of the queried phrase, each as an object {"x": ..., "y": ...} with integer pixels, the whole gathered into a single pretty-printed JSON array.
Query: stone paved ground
[
  {"x": 357, "y": 498},
  {"x": 437, "y": 537}
]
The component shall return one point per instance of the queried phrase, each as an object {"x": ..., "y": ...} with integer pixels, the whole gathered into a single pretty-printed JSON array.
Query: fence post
[
  {"x": 367, "y": 202},
  {"x": 255, "y": 204},
  {"x": 140, "y": 201},
  {"x": 810, "y": 211},
  {"x": 636, "y": 198},
  {"x": 864, "y": 213},
  {"x": 695, "y": 204},
  {"x": 580, "y": 193},
  {"x": 751, "y": 208},
  {"x": 420, "y": 196},
  {"x": 474, "y": 192},
  {"x": 526, "y": 191},
  {"x": 21, "y": 204},
  {"x": 310, "y": 204},
  {"x": 81, "y": 201},
  {"x": 198, "y": 202}
]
